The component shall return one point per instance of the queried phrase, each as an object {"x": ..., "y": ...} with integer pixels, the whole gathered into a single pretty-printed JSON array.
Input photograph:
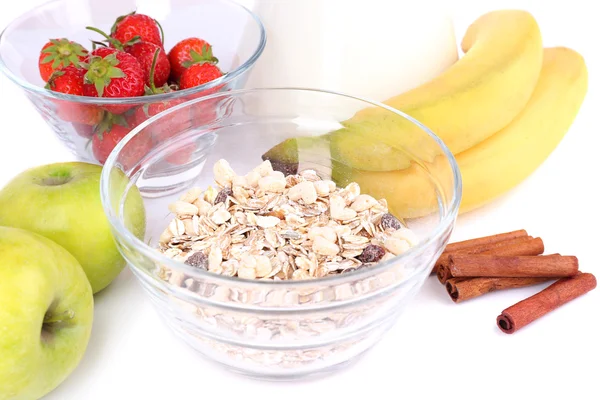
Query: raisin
[
  {"x": 222, "y": 195},
  {"x": 388, "y": 221},
  {"x": 372, "y": 253},
  {"x": 198, "y": 260}
]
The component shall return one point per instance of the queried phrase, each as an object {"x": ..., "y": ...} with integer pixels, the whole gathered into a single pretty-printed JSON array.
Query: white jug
[{"x": 368, "y": 48}]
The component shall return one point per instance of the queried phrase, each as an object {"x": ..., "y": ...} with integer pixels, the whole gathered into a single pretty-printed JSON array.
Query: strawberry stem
[
  {"x": 152, "y": 69},
  {"x": 162, "y": 33},
  {"x": 97, "y": 43},
  {"x": 116, "y": 44},
  {"x": 152, "y": 89}
]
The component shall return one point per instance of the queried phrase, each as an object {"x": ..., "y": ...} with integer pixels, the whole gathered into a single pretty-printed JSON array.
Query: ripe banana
[
  {"x": 502, "y": 161},
  {"x": 477, "y": 96}
]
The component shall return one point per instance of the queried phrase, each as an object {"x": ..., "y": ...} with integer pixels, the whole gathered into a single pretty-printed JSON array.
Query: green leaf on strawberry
[
  {"x": 200, "y": 58},
  {"x": 100, "y": 71},
  {"x": 63, "y": 51},
  {"x": 108, "y": 122}
]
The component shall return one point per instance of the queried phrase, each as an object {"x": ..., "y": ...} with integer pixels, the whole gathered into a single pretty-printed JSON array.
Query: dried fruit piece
[
  {"x": 198, "y": 260},
  {"x": 305, "y": 191},
  {"x": 223, "y": 194},
  {"x": 388, "y": 221},
  {"x": 274, "y": 182},
  {"x": 325, "y": 247},
  {"x": 363, "y": 202},
  {"x": 396, "y": 246},
  {"x": 223, "y": 173},
  {"x": 372, "y": 253}
]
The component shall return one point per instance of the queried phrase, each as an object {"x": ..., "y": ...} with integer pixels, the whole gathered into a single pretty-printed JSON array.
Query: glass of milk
[{"x": 375, "y": 49}]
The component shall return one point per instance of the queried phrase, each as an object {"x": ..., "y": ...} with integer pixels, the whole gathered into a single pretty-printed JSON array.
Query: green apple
[
  {"x": 62, "y": 202},
  {"x": 46, "y": 314}
]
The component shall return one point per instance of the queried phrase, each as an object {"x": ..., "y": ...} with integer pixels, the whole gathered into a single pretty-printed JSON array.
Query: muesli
[{"x": 264, "y": 225}]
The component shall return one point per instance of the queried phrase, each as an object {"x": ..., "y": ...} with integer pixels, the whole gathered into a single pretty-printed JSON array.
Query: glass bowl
[
  {"x": 236, "y": 35},
  {"x": 279, "y": 329}
]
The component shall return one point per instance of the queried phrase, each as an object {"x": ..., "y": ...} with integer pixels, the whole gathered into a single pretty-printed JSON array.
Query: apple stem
[{"x": 58, "y": 318}]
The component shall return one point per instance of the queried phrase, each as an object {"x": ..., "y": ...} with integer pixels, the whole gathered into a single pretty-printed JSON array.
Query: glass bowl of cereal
[{"x": 296, "y": 231}]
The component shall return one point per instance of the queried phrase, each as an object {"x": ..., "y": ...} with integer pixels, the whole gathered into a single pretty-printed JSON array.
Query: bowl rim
[
  {"x": 227, "y": 76},
  {"x": 157, "y": 257}
]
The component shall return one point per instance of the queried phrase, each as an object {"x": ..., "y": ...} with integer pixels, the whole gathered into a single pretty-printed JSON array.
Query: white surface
[{"x": 438, "y": 349}]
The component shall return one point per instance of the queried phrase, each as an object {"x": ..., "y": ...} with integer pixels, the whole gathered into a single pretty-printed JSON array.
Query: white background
[{"x": 438, "y": 349}]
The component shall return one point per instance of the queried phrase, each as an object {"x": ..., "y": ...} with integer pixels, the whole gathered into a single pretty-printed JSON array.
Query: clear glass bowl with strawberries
[{"x": 96, "y": 69}]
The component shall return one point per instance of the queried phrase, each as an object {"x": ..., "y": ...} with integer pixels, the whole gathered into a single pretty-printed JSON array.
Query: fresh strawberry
[
  {"x": 199, "y": 74},
  {"x": 144, "y": 53},
  {"x": 182, "y": 155},
  {"x": 114, "y": 74},
  {"x": 166, "y": 130},
  {"x": 188, "y": 51},
  {"x": 69, "y": 80},
  {"x": 57, "y": 54},
  {"x": 85, "y": 131},
  {"x": 110, "y": 132},
  {"x": 130, "y": 26},
  {"x": 149, "y": 110},
  {"x": 205, "y": 112},
  {"x": 168, "y": 126}
]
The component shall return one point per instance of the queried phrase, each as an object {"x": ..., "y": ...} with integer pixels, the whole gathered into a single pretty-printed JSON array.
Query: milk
[{"x": 375, "y": 49}]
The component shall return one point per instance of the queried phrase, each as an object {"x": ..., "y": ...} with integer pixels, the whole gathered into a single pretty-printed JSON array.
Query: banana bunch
[{"x": 501, "y": 110}]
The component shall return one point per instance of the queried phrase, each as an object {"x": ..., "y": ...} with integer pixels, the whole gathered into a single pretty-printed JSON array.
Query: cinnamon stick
[
  {"x": 452, "y": 247},
  {"x": 526, "y": 247},
  {"x": 526, "y": 311},
  {"x": 461, "y": 289},
  {"x": 519, "y": 246},
  {"x": 480, "y": 265}
]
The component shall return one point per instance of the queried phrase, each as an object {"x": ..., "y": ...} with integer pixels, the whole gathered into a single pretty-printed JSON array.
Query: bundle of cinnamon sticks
[{"x": 474, "y": 267}]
